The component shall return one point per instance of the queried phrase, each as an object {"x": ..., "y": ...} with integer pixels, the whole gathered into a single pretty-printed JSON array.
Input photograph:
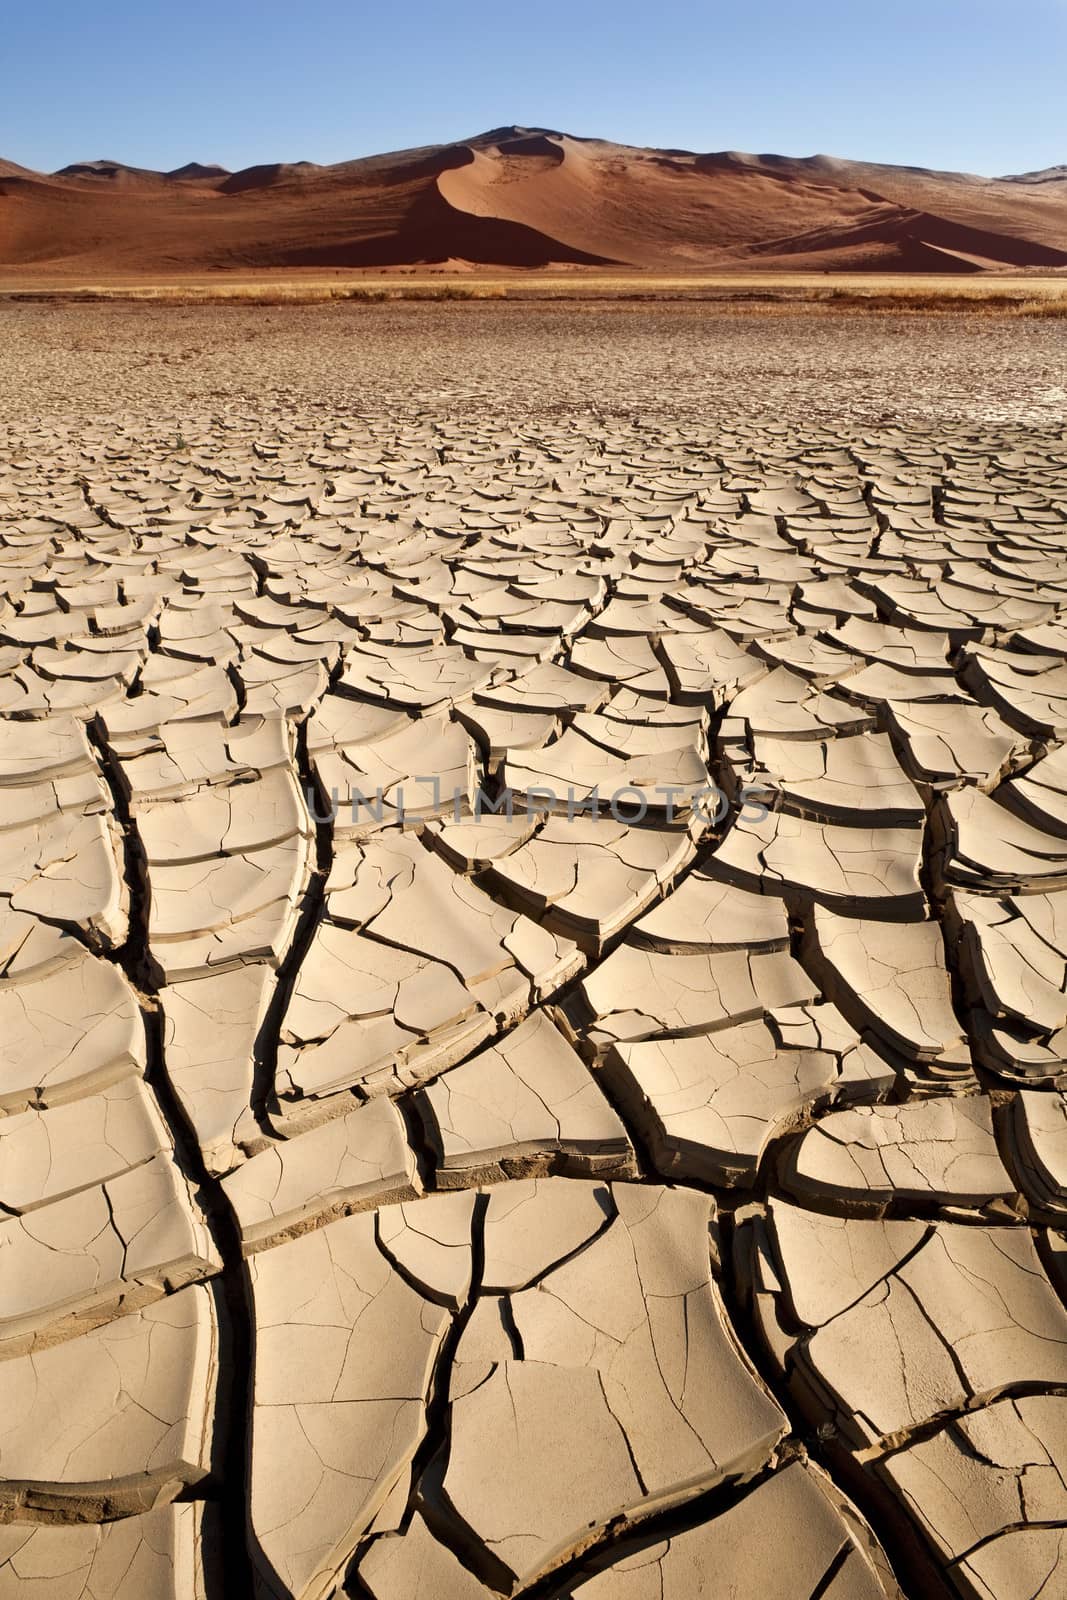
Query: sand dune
[{"x": 530, "y": 197}]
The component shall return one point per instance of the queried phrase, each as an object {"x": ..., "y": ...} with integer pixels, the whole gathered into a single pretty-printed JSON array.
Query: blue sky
[{"x": 974, "y": 85}]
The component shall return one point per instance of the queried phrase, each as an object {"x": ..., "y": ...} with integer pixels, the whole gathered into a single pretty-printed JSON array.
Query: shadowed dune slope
[{"x": 529, "y": 197}]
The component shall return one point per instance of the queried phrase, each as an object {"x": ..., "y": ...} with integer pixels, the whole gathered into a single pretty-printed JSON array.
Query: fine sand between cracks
[{"x": 533, "y": 956}]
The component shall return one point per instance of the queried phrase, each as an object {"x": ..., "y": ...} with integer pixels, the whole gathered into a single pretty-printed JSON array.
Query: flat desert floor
[
  {"x": 502, "y": 361},
  {"x": 533, "y": 954}
]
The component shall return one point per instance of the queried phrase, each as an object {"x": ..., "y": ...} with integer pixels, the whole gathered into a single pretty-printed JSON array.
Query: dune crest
[{"x": 532, "y": 197}]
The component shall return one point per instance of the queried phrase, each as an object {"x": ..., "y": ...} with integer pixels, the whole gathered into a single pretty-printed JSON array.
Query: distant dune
[{"x": 530, "y": 197}]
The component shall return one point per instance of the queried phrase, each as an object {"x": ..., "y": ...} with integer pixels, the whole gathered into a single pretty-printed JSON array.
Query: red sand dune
[{"x": 527, "y": 197}]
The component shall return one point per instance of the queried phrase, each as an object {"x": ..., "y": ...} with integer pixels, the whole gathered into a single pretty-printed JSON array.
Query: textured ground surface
[
  {"x": 174, "y": 365},
  {"x": 654, "y": 1192}
]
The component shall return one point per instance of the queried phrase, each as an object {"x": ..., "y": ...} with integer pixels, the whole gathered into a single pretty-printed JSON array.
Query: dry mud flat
[
  {"x": 668, "y": 360},
  {"x": 410, "y": 1200}
]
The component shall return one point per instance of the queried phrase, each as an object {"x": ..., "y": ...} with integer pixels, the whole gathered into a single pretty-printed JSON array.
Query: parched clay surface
[{"x": 533, "y": 1039}]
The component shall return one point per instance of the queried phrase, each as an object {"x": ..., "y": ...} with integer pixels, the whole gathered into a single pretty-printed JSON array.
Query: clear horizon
[{"x": 959, "y": 87}]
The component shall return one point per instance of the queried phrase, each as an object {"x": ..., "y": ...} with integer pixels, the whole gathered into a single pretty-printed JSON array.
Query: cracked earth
[{"x": 417, "y": 1201}]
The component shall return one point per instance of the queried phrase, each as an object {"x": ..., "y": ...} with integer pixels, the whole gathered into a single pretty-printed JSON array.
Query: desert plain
[{"x": 533, "y": 952}]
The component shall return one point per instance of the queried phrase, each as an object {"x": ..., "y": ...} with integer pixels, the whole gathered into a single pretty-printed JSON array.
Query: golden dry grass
[
  {"x": 1016, "y": 295},
  {"x": 263, "y": 295},
  {"x": 1043, "y": 308}
]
